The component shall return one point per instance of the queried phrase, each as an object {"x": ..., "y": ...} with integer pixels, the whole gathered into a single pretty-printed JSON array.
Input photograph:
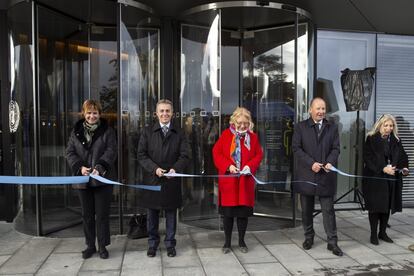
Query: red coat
[{"x": 238, "y": 190}]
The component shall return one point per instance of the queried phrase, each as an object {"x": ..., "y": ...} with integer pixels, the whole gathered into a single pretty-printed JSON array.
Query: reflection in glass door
[
  {"x": 140, "y": 91},
  {"x": 200, "y": 109},
  {"x": 62, "y": 76},
  {"x": 273, "y": 64},
  {"x": 264, "y": 67}
]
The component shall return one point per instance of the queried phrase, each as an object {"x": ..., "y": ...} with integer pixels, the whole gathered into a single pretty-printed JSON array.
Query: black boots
[
  {"x": 373, "y": 222},
  {"x": 228, "y": 229},
  {"x": 383, "y": 221}
]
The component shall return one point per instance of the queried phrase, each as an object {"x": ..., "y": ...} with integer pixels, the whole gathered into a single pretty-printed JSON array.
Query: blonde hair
[
  {"x": 91, "y": 105},
  {"x": 378, "y": 124},
  {"x": 241, "y": 111}
]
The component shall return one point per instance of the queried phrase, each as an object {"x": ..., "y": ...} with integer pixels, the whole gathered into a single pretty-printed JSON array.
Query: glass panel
[
  {"x": 103, "y": 76},
  {"x": 271, "y": 55},
  {"x": 336, "y": 52},
  {"x": 200, "y": 109},
  {"x": 140, "y": 61},
  {"x": 22, "y": 133},
  {"x": 63, "y": 61}
]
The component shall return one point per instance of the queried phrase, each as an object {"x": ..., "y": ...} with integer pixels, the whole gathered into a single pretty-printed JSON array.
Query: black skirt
[{"x": 236, "y": 211}]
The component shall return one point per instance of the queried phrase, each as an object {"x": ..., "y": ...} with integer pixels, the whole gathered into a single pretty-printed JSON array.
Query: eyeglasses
[{"x": 242, "y": 123}]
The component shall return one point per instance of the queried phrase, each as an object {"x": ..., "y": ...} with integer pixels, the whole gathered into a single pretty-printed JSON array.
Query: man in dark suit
[
  {"x": 315, "y": 147},
  {"x": 162, "y": 148}
]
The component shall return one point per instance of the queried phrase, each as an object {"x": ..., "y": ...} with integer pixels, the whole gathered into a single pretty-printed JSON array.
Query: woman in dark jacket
[
  {"x": 238, "y": 149},
  {"x": 385, "y": 161},
  {"x": 92, "y": 150}
]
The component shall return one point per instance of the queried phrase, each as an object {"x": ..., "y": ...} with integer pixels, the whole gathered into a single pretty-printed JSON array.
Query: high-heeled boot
[
  {"x": 373, "y": 223},
  {"x": 228, "y": 229},
  {"x": 382, "y": 235}
]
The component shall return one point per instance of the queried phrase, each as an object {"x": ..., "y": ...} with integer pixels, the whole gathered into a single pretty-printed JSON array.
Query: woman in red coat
[{"x": 237, "y": 151}]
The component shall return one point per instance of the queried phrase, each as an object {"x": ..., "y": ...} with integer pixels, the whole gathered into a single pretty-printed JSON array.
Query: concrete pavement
[{"x": 276, "y": 252}]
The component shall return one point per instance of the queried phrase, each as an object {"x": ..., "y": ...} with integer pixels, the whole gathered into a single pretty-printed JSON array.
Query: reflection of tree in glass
[
  {"x": 280, "y": 89},
  {"x": 270, "y": 65},
  {"x": 108, "y": 95}
]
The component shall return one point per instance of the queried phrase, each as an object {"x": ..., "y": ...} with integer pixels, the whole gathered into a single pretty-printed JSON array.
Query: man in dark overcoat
[
  {"x": 163, "y": 148},
  {"x": 316, "y": 149}
]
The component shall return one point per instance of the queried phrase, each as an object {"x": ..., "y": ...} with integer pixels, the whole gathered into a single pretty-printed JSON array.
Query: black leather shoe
[
  {"x": 374, "y": 239},
  {"x": 226, "y": 250},
  {"x": 151, "y": 252},
  {"x": 335, "y": 249},
  {"x": 103, "y": 253},
  {"x": 243, "y": 247},
  {"x": 384, "y": 237},
  {"x": 171, "y": 252},
  {"x": 307, "y": 244},
  {"x": 88, "y": 252}
]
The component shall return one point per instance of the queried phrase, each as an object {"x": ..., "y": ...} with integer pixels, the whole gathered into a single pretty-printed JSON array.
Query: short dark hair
[{"x": 165, "y": 101}]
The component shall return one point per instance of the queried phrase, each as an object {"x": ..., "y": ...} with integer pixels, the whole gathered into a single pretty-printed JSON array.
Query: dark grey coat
[
  {"x": 169, "y": 152},
  {"x": 307, "y": 149},
  {"x": 382, "y": 195},
  {"x": 101, "y": 151}
]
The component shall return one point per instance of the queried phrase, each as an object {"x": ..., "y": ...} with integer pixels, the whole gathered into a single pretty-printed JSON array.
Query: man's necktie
[
  {"x": 319, "y": 129},
  {"x": 164, "y": 130}
]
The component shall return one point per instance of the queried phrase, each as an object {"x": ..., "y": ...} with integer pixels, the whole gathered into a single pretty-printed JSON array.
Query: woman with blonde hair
[
  {"x": 237, "y": 150},
  {"x": 385, "y": 161}
]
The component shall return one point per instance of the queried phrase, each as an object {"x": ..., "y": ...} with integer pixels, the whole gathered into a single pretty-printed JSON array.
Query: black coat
[
  {"x": 101, "y": 151},
  {"x": 383, "y": 195},
  {"x": 308, "y": 149},
  {"x": 169, "y": 152}
]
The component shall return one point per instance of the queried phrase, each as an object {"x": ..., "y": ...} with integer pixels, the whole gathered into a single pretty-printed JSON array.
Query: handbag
[{"x": 138, "y": 227}]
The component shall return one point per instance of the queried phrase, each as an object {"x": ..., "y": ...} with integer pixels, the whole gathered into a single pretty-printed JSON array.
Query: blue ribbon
[{"x": 67, "y": 180}]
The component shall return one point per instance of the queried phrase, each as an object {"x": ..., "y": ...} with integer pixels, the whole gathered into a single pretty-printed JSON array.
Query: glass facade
[
  {"x": 224, "y": 59},
  {"x": 337, "y": 51},
  {"x": 263, "y": 65}
]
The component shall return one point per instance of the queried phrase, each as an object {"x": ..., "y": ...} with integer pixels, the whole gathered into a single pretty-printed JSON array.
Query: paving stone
[
  {"x": 100, "y": 273},
  {"x": 342, "y": 266},
  {"x": 186, "y": 256},
  {"x": 272, "y": 237},
  {"x": 217, "y": 263},
  {"x": 184, "y": 271},
  {"x": 4, "y": 258},
  {"x": 137, "y": 244},
  {"x": 208, "y": 240},
  {"x": 406, "y": 260},
  {"x": 362, "y": 237},
  {"x": 114, "y": 262},
  {"x": 29, "y": 257},
  {"x": 137, "y": 263},
  {"x": 368, "y": 257},
  {"x": 265, "y": 269},
  {"x": 71, "y": 245},
  {"x": 10, "y": 247},
  {"x": 257, "y": 253},
  {"x": 61, "y": 263},
  {"x": 294, "y": 259}
]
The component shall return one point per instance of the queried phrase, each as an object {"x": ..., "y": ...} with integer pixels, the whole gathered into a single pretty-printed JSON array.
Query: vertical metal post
[
  {"x": 36, "y": 115},
  {"x": 119, "y": 120},
  {"x": 297, "y": 110}
]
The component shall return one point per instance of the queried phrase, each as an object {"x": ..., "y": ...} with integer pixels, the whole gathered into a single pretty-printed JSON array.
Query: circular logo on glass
[{"x": 14, "y": 116}]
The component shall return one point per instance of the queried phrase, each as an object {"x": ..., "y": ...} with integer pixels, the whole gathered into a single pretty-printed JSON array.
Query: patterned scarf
[
  {"x": 89, "y": 130},
  {"x": 235, "y": 148}
]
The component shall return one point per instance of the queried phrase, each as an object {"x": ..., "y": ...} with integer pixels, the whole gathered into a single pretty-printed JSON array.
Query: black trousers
[
  {"x": 328, "y": 215},
  {"x": 95, "y": 204}
]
